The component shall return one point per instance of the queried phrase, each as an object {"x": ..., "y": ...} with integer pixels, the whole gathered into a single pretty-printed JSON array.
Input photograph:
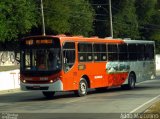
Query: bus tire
[
  {"x": 48, "y": 94},
  {"x": 83, "y": 86},
  {"x": 131, "y": 82}
]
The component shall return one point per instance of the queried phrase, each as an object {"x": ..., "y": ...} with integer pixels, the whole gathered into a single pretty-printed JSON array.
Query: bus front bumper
[{"x": 56, "y": 86}]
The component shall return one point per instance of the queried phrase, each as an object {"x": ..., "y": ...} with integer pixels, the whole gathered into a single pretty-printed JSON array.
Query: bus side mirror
[{"x": 17, "y": 56}]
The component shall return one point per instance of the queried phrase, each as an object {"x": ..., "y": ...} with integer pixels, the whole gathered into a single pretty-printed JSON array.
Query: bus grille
[{"x": 36, "y": 88}]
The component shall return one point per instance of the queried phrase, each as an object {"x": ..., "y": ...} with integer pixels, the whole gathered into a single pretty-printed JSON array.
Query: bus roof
[
  {"x": 138, "y": 41},
  {"x": 91, "y": 39},
  {"x": 80, "y": 39},
  {"x": 63, "y": 38}
]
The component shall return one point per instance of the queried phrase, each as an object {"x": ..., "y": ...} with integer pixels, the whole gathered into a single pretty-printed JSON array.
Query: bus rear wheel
[
  {"x": 48, "y": 94},
  {"x": 83, "y": 86},
  {"x": 131, "y": 82}
]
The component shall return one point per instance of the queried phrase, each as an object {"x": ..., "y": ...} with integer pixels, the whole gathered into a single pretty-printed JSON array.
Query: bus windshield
[
  {"x": 41, "y": 59},
  {"x": 40, "y": 54}
]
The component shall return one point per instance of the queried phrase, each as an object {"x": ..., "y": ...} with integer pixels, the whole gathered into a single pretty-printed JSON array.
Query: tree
[
  {"x": 74, "y": 17},
  {"x": 81, "y": 18},
  {"x": 101, "y": 18},
  {"x": 155, "y": 30},
  {"x": 145, "y": 10},
  {"x": 125, "y": 22},
  {"x": 17, "y": 17},
  {"x": 148, "y": 18}
]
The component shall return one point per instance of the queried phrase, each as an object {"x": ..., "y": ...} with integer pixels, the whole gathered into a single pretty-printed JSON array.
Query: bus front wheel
[
  {"x": 48, "y": 94},
  {"x": 82, "y": 90}
]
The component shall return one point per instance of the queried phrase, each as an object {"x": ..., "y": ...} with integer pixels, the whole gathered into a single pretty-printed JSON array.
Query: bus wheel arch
[
  {"x": 131, "y": 81},
  {"x": 87, "y": 80},
  {"x": 83, "y": 86}
]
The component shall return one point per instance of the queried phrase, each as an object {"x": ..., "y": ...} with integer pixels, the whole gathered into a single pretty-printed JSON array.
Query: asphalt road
[{"x": 112, "y": 103}]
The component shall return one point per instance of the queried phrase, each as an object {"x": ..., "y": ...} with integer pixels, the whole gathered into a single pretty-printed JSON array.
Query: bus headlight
[
  {"x": 24, "y": 81},
  {"x": 54, "y": 80}
]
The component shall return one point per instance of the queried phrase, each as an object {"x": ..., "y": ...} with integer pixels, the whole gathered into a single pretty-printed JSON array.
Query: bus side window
[
  {"x": 85, "y": 52},
  {"x": 112, "y": 52},
  {"x": 149, "y": 52},
  {"x": 68, "y": 55},
  {"x": 132, "y": 52},
  {"x": 99, "y": 51},
  {"x": 141, "y": 51},
  {"x": 123, "y": 55}
]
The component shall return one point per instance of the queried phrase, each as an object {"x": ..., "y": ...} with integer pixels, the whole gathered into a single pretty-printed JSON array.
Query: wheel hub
[{"x": 83, "y": 88}]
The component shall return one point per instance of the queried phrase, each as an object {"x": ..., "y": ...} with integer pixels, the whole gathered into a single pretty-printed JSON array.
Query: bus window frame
[
  {"x": 100, "y": 53},
  {"x": 125, "y": 52},
  {"x": 116, "y": 53},
  {"x": 63, "y": 58},
  {"x": 86, "y": 53}
]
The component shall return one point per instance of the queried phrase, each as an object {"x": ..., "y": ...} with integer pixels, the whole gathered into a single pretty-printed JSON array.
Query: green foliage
[
  {"x": 74, "y": 17},
  {"x": 125, "y": 20},
  {"x": 56, "y": 15},
  {"x": 17, "y": 17},
  {"x": 145, "y": 10},
  {"x": 81, "y": 18},
  {"x": 136, "y": 19}
]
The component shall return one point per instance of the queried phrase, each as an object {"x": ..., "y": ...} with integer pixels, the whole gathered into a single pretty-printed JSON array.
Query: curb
[{"x": 10, "y": 91}]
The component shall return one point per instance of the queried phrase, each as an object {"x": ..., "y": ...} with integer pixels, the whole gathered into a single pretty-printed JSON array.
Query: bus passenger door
[{"x": 68, "y": 64}]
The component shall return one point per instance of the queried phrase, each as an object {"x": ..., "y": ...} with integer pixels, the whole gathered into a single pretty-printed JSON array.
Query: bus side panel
[
  {"x": 100, "y": 77},
  {"x": 68, "y": 80},
  {"x": 97, "y": 73},
  {"x": 116, "y": 79}
]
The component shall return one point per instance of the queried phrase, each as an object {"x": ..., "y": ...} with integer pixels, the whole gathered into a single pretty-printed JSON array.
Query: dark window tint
[
  {"x": 99, "y": 47},
  {"x": 132, "y": 52},
  {"x": 149, "y": 51},
  {"x": 112, "y": 48},
  {"x": 112, "y": 52},
  {"x": 85, "y": 52},
  {"x": 100, "y": 53},
  {"x": 84, "y": 47},
  {"x": 123, "y": 52},
  {"x": 122, "y": 47},
  {"x": 69, "y": 56},
  {"x": 69, "y": 45},
  {"x": 140, "y": 51}
]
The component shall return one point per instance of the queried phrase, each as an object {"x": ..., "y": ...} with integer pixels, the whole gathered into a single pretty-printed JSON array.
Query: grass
[
  {"x": 8, "y": 68},
  {"x": 152, "y": 113},
  {"x": 154, "y": 108}
]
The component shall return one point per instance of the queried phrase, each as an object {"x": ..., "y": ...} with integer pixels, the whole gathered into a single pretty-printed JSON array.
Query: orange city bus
[{"x": 64, "y": 63}]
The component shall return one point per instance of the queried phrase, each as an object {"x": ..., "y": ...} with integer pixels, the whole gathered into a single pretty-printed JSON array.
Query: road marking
[{"x": 145, "y": 104}]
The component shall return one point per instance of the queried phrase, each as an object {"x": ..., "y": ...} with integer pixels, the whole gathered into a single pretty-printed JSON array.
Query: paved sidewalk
[{"x": 9, "y": 91}]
